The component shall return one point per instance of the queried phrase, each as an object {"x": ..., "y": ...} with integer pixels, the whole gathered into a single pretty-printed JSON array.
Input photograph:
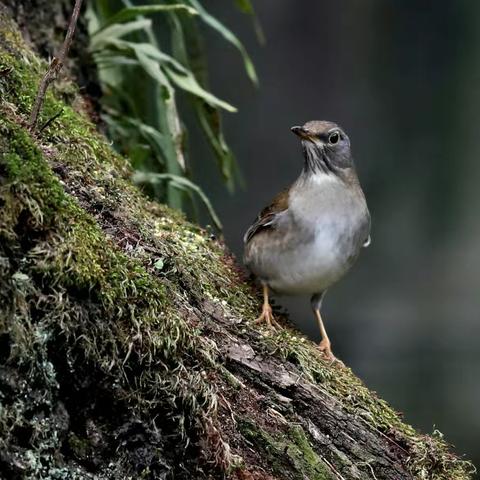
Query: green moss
[
  {"x": 76, "y": 253},
  {"x": 288, "y": 451},
  {"x": 432, "y": 458},
  {"x": 305, "y": 455},
  {"x": 78, "y": 145},
  {"x": 126, "y": 314},
  {"x": 113, "y": 313}
]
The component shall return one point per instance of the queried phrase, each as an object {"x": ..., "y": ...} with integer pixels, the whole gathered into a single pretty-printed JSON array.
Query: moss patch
[
  {"x": 72, "y": 300},
  {"x": 289, "y": 451}
]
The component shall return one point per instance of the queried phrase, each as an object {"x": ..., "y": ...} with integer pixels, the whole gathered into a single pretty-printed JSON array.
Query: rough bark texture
[{"x": 126, "y": 343}]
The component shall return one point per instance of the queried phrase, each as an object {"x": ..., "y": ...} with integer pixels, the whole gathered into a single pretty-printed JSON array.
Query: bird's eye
[{"x": 333, "y": 138}]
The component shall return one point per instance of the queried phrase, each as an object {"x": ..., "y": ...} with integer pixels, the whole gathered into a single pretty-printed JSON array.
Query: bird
[{"x": 312, "y": 232}]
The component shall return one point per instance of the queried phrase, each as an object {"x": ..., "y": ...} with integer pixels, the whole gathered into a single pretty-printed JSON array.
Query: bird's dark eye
[{"x": 333, "y": 138}]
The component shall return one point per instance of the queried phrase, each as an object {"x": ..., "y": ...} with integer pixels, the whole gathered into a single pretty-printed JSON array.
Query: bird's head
[{"x": 326, "y": 147}]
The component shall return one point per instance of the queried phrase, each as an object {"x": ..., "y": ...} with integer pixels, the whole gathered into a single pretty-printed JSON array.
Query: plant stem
[{"x": 55, "y": 66}]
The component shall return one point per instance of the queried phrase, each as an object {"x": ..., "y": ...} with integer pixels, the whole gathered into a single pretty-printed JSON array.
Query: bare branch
[{"x": 55, "y": 66}]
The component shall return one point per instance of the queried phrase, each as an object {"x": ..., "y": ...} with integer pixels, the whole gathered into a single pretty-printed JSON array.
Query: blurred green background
[{"x": 403, "y": 79}]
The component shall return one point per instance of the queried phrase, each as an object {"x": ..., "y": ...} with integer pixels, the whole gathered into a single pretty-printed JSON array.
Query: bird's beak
[{"x": 301, "y": 132}]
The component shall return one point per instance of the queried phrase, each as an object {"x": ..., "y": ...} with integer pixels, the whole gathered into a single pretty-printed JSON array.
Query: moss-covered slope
[{"x": 126, "y": 349}]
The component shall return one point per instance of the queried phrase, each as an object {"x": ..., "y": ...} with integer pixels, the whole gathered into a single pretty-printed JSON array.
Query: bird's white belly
[
  {"x": 316, "y": 241},
  {"x": 310, "y": 268}
]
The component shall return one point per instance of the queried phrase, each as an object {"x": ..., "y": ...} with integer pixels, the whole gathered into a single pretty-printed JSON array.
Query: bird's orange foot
[
  {"x": 326, "y": 350},
  {"x": 267, "y": 317}
]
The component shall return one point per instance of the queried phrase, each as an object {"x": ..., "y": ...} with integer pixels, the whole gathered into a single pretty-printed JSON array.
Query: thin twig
[
  {"x": 333, "y": 469},
  {"x": 50, "y": 121},
  {"x": 55, "y": 66}
]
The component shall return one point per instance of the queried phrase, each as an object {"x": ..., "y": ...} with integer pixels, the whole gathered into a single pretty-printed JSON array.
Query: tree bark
[{"x": 127, "y": 348}]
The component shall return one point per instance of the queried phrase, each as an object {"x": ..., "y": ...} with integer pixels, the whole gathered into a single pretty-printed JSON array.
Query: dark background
[{"x": 403, "y": 79}]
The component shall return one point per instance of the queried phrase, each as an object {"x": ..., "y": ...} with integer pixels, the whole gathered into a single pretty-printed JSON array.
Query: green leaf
[
  {"x": 185, "y": 33},
  {"x": 130, "y": 13},
  {"x": 151, "y": 58},
  {"x": 110, "y": 60},
  {"x": 246, "y": 6},
  {"x": 141, "y": 76},
  {"x": 116, "y": 31},
  {"x": 171, "y": 150},
  {"x": 149, "y": 64},
  {"x": 186, "y": 81},
  {"x": 229, "y": 36},
  {"x": 211, "y": 124},
  {"x": 155, "y": 138},
  {"x": 181, "y": 183},
  {"x": 181, "y": 76}
]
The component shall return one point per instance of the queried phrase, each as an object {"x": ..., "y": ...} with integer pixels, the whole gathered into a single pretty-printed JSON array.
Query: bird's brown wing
[{"x": 267, "y": 216}]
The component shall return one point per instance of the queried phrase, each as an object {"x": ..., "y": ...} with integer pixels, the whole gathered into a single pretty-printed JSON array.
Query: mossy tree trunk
[{"x": 126, "y": 343}]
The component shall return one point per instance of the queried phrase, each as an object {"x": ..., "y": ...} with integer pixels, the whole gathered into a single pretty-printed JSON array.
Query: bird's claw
[
  {"x": 267, "y": 317},
  {"x": 326, "y": 351}
]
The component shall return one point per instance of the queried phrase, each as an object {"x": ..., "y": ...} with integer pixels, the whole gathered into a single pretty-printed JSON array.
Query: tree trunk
[{"x": 127, "y": 348}]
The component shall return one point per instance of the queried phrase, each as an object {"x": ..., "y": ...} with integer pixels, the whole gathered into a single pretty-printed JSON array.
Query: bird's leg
[
  {"x": 325, "y": 345},
  {"x": 267, "y": 315}
]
